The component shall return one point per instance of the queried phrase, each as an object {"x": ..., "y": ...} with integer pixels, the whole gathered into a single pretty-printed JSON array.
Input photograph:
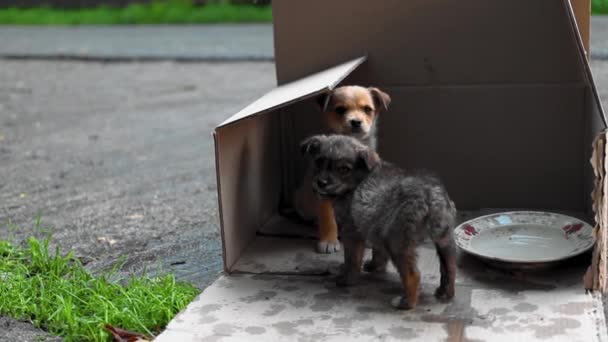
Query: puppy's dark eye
[
  {"x": 344, "y": 170},
  {"x": 368, "y": 109},
  {"x": 340, "y": 110}
]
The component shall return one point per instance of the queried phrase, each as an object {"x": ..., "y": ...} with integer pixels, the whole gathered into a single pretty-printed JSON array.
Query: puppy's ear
[
  {"x": 323, "y": 101},
  {"x": 381, "y": 99},
  {"x": 370, "y": 159},
  {"x": 311, "y": 146}
]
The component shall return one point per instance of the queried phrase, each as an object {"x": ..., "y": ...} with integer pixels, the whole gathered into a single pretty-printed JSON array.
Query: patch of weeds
[
  {"x": 155, "y": 12},
  {"x": 56, "y": 293},
  {"x": 599, "y": 6}
]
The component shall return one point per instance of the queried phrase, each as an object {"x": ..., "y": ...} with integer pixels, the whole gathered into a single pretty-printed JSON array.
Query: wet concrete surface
[
  {"x": 489, "y": 305},
  {"x": 118, "y": 160}
]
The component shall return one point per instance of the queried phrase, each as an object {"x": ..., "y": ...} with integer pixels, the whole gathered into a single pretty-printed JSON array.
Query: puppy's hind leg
[
  {"x": 328, "y": 229},
  {"x": 446, "y": 252},
  {"x": 439, "y": 225},
  {"x": 405, "y": 261}
]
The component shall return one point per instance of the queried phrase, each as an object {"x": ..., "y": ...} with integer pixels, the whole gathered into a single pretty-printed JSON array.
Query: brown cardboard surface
[
  {"x": 297, "y": 90},
  {"x": 582, "y": 11},
  {"x": 596, "y": 273},
  {"x": 499, "y": 146},
  {"x": 595, "y": 126},
  {"x": 429, "y": 42},
  {"x": 494, "y": 146},
  {"x": 602, "y": 234},
  {"x": 299, "y": 121},
  {"x": 248, "y": 165}
]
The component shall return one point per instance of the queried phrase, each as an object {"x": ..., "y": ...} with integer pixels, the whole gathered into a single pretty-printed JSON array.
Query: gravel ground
[
  {"x": 12, "y": 331},
  {"x": 118, "y": 160}
]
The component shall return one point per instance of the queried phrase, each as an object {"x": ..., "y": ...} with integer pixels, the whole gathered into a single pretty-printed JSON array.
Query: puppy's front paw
[
  {"x": 346, "y": 279},
  {"x": 328, "y": 247},
  {"x": 401, "y": 303},
  {"x": 444, "y": 293}
]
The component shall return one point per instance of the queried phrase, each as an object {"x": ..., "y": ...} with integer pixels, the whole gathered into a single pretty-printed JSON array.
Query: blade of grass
[{"x": 55, "y": 292}]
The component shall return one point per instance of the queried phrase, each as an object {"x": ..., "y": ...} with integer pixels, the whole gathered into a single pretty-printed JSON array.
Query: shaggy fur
[{"x": 379, "y": 204}]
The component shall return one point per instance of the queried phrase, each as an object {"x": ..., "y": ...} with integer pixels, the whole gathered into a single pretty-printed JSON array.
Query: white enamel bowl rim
[{"x": 586, "y": 227}]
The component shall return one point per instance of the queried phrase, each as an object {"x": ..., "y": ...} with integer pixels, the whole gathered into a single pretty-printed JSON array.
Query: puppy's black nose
[
  {"x": 322, "y": 183},
  {"x": 355, "y": 123}
]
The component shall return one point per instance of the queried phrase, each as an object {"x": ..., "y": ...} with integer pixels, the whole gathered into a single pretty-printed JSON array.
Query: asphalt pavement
[{"x": 221, "y": 42}]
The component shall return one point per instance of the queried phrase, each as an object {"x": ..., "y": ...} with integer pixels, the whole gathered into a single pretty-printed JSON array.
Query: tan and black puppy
[
  {"x": 352, "y": 111},
  {"x": 378, "y": 204}
]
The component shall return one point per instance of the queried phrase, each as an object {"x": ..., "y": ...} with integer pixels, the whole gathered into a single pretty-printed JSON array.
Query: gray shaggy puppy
[{"x": 377, "y": 203}]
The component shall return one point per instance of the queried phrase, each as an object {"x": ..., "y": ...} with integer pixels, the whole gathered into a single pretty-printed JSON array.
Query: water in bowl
[{"x": 523, "y": 243}]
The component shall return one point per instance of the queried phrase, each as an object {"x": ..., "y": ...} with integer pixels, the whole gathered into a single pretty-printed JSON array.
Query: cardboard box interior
[{"x": 496, "y": 97}]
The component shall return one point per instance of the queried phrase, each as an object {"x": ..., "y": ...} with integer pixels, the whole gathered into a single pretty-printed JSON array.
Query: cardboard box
[
  {"x": 582, "y": 12},
  {"x": 495, "y": 96}
]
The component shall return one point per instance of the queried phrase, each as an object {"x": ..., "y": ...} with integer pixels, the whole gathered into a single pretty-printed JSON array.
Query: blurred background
[{"x": 85, "y": 12}]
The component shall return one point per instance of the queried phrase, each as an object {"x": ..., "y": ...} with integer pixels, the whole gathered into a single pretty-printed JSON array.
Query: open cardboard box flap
[
  {"x": 297, "y": 90},
  {"x": 248, "y": 161}
]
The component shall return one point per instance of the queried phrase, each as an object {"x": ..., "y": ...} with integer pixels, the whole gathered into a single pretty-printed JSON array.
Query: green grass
[
  {"x": 157, "y": 12},
  {"x": 56, "y": 293},
  {"x": 599, "y": 6}
]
